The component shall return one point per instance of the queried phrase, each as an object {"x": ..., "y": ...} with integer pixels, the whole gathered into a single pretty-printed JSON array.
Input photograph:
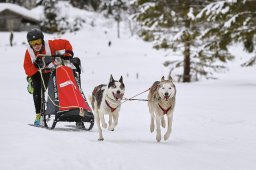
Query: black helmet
[{"x": 35, "y": 34}]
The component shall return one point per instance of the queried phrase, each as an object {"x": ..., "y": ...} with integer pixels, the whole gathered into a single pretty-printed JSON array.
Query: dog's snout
[
  {"x": 118, "y": 92},
  {"x": 166, "y": 94}
]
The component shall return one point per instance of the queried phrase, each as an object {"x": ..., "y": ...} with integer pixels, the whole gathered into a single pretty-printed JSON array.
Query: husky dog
[
  {"x": 106, "y": 99},
  {"x": 161, "y": 102}
]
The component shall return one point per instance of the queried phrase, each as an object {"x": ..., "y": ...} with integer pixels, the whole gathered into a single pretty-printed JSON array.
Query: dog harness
[
  {"x": 164, "y": 110},
  {"x": 111, "y": 108}
]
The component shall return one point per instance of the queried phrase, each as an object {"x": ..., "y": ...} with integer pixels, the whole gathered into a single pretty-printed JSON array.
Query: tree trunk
[
  {"x": 186, "y": 73},
  {"x": 118, "y": 28}
]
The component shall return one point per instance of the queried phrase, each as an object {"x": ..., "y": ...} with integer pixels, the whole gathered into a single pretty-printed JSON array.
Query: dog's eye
[
  {"x": 170, "y": 88},
  {"x": 114, "y": 86}
]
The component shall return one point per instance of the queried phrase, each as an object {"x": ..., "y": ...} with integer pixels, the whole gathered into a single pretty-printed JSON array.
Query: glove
[
  {"x": 77, "y": 63},
  {"x": 67, "y": 56},
  {"x": 38, "y": 62},
  {"x": 30, "y": 85}
]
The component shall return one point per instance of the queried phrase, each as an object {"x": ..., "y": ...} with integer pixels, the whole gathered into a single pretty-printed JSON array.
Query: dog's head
[
  {"x": 116, "y": 88},
  {"x": 166, "y": 89}
]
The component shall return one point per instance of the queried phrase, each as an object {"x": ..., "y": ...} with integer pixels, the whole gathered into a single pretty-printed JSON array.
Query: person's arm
[
  {"x": 62, "y": 44},
  {"x": 29, "y": 67}
]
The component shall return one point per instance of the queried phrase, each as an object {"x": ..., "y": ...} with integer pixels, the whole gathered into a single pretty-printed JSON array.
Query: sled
[{"x": 65, "y": 99}]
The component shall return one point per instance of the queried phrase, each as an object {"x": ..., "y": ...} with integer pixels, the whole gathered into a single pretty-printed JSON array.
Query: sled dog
[
  {"x": 161, "y": 103},
  {"x": 106, "y": 99}
]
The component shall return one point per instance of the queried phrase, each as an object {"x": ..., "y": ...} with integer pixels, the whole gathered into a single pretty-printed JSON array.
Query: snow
[
  {"x": 19, "y": 10},
  {"x": 213, "y": 127},
  {"x": 212, "y": 9},
  {"x": 191, "y": 14},
  {"x": 230, "y": 21}
]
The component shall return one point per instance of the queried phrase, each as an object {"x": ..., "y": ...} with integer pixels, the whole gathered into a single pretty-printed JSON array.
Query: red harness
[
  {"x": 111, "y": 108},
  {"x": 164, "y": 110}
]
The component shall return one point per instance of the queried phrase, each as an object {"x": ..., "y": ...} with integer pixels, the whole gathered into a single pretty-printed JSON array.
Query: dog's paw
[
  {"x": 166, "y": 136},
  {"x": 152, "y": 128},
  {"x": 100, "y": 139},
  {"x": 158, "y": 137},
  {"x": 111, "y": 128}
]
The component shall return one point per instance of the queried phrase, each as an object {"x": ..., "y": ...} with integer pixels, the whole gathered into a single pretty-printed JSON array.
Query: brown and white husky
[
  {"x": 106, "y": 99},
  {"x": 161, "y": 103}
]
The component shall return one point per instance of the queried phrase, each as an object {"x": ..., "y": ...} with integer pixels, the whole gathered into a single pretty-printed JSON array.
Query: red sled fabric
[{"x": 70, "y": 96}]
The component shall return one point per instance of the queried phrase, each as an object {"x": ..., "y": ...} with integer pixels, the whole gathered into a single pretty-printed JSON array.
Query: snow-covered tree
[
  {"x": 172, "y": 24},
  {"x": 119, "y": 8},
  {"x": 116, "y": 9},
  {"x": 86, "y": 4},
  {"x": 49, "y": 24},
  {"x": 234, "y": 21}
]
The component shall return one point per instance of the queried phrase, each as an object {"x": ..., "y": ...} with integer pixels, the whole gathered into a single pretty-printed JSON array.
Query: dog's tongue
[
  {"x": 119, "y": 96},
  {"x": 166, "y": 97}
]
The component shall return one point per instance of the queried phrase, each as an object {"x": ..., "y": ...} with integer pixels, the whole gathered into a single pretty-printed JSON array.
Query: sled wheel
[
  {"x": 54, "y": 124},
  {"x": 88, "y": 125},
  {"x": 50, "y": 121}
]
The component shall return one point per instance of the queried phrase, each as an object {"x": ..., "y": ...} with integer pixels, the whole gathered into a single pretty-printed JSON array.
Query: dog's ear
[
  {"x": 162, "y": 79},
  {"x": 170, "y": 77},
  {"x": 111, "y": 78},
  {"x": 121, "y": 79}
]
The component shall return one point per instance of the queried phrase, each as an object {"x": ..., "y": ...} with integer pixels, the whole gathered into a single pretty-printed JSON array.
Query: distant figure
[
  {"x": 11, "y": 39},
  {"x": 109, "y": 43},
  {"x": 137, "y": 75}
]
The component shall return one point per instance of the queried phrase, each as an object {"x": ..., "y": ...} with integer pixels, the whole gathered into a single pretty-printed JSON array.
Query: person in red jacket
[{"x": 37, "y": 46}]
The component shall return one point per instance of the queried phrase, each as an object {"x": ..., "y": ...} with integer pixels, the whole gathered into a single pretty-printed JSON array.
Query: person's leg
[
  {"x": 37, "y": 97},
  {"x": 36, "y": 79}
]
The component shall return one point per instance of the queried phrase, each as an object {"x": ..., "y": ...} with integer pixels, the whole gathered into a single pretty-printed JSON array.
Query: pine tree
[
  {"x": 171, "y": 24},
  {"x": 78, "y": 3},
  {"x": 116, "y": 9},
  {"x": 49, "y": 24},
  {"x": 86, "y": 4},
  {"x": 235, "y": 21}
]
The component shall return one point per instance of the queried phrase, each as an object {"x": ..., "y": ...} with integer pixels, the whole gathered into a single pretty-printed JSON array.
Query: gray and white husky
[
  {"x": 106, "y": 99},
  {"x": 161, "y": 103}
]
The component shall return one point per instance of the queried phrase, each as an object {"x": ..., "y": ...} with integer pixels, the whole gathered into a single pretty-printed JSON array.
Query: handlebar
[
  {"x": 54, "y": 56},
  {"x": 53, "y": 61}
]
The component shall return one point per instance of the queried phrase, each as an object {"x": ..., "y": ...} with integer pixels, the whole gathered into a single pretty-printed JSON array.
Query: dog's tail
[{"x": 90, "y": 98}]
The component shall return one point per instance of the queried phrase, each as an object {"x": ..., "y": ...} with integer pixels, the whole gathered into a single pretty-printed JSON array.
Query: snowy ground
[{"x": 214, "y": 121}]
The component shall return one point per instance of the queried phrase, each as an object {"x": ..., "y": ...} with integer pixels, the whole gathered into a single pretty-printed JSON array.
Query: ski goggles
[{"x": 36, "y": 42}]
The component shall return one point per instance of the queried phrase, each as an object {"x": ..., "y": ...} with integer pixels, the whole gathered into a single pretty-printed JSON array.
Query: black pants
[{"x": 38, "y": 86}]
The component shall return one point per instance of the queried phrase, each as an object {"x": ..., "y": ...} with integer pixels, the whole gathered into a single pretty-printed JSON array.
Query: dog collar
[
  {"x": 164, "y": 110},
  {"x": 111, "y": 108}
]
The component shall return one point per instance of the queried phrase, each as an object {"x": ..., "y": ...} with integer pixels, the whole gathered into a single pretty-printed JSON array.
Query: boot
[{"x": 37, "y": 120}]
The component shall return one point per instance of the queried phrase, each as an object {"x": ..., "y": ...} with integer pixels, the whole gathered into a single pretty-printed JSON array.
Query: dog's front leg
[
  {"x": 163, "y": 122},
  {"x": 115, "y": 121},
  {"x": 158, "y": 129},
  {"x": 110, "y": 121},
  {"x": 102, "y": 119},
  {"x": 116, "y": 116},
  {"x": 99, "y": 127},
  {"x": 169, "y": 128},
  {"x": 152, "y": 120}
]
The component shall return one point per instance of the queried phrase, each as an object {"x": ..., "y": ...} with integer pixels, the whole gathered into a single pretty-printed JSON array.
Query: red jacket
[{"x": 55, "y": 45}]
